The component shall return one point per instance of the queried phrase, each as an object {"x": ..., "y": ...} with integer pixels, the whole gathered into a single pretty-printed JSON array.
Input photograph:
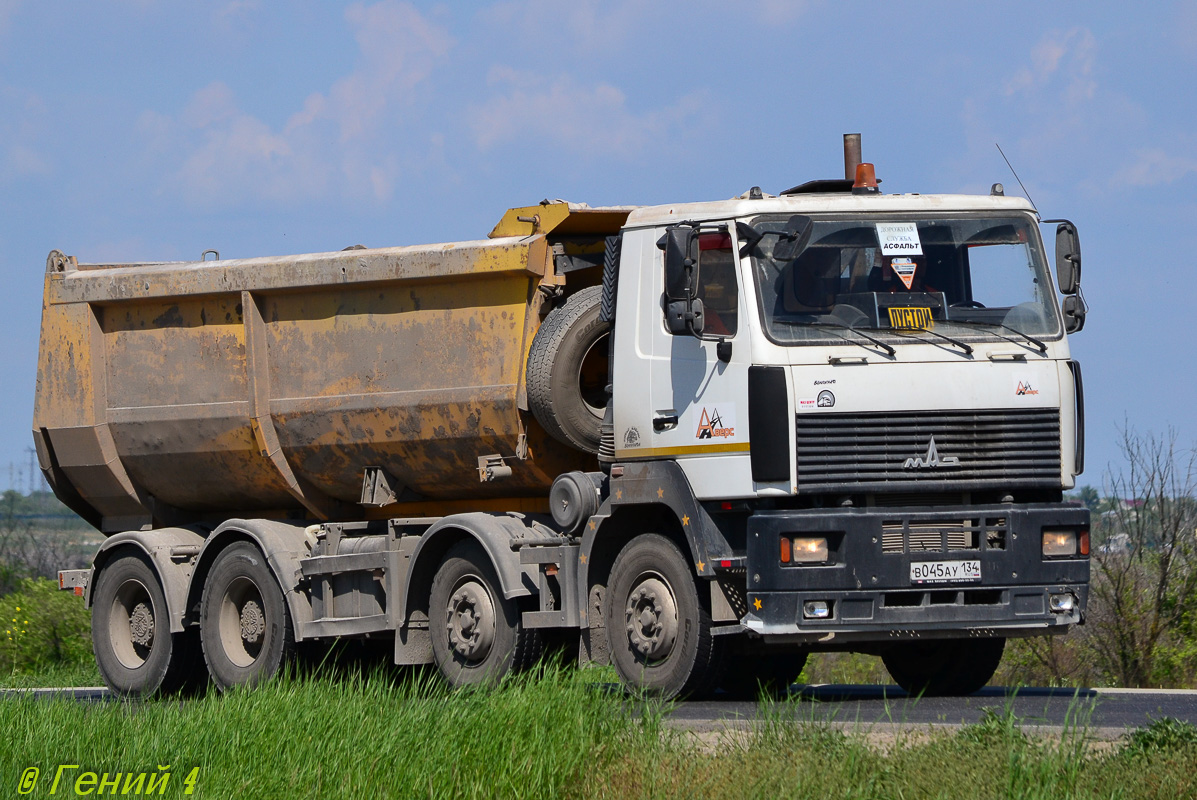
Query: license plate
[
  {"x": 945, "y": 571},
  {"x": 911, "y": 319}
]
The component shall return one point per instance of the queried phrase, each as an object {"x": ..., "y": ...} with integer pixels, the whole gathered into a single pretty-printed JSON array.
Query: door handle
[{"x": 665, "y": 423}]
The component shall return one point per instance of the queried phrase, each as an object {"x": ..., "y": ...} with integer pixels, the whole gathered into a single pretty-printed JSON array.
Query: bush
[{"x": 43, "y": 627}]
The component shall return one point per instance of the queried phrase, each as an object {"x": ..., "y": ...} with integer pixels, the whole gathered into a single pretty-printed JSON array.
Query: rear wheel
[
  {"x": 659, "y": 631},
  {"x": 245, "y": 625},
  {"x": 944, "y": 667},
  {"x": 136, "y": 653},
  {"x": 477, "y": 634}
]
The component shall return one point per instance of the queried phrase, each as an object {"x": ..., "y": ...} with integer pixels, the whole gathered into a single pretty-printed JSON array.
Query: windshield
[{"x": 975, "y": 277}]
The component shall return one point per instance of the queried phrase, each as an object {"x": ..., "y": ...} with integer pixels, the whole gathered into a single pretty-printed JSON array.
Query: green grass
[
  {"x": 561, "y": 734},
  {"x": 53, "y": 675}
]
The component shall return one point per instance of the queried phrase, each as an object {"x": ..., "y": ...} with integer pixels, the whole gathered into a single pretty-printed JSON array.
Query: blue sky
[{"x": 144, "y": 129}]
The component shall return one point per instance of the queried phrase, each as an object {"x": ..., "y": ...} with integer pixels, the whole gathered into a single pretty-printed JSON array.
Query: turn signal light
[
  {"x": 1084, "y": 543},
  {"x": 785, "y": 550}
]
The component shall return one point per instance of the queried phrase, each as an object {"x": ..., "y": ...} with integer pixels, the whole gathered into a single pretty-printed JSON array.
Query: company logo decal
[
  {"x": 631, "y": 437},
  {"x": 1024, "y": 387},
  {"x": 931, "y": 459},
  {"x": 711, "y": 425},
  {"x": 826, "y": 399}
]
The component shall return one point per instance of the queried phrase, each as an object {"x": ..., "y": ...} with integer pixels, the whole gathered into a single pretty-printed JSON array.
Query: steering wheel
[{"x": 966, "y": 304}]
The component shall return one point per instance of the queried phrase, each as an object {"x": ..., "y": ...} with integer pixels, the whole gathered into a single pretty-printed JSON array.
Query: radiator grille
[
  {"x": 914, "y": 449},
  {"x": 936, "y": 535}
]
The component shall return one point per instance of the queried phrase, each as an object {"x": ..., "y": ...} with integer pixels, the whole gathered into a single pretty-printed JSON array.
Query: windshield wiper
[
  {"x": 891, "y": 352},
  {"x": 968, "y": 350},
  {"x": 1028, "y": 337}
]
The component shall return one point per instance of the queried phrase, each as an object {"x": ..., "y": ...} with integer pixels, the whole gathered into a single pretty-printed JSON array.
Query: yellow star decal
[
  {"x": 757, "y": 604},
  {"x": 582, "y": 558},
  {"x": 619, "y": 494},
  {"x": 660, "y": 493},
  {"x": 685, "y": 519},
  {"x": 700, "y": 566},
  {"x": 591, "y": 524}
]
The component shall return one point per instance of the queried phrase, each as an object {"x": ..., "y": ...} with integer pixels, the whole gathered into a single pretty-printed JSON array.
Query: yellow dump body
[{"x": 175, "y": 392}]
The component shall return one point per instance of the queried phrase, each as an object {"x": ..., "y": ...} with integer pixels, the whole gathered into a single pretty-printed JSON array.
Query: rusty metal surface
[{"x": 266, "y": 386}]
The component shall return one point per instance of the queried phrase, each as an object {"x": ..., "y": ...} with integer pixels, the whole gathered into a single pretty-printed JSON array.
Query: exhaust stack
[{"x": 851, "y": 155}]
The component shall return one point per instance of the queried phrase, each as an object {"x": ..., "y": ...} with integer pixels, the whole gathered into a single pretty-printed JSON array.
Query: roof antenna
[{"x": 1024, "y": 189}]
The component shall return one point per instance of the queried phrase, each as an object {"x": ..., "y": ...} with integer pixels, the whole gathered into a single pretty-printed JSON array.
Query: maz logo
[{"x": 931, "y": 459}]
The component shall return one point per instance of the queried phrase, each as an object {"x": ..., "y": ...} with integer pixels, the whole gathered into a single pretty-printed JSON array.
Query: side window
[{"x": 717, "y": 285}]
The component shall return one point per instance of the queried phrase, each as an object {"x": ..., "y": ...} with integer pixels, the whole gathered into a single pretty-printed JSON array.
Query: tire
[
  {"x": 944, "y": 667},
  {"x": 567, "y": 371},
  {"x": 245, "y": 626},
  {"x": 136, "y": 653},
  {"x": 477, "y": 634},
  {"x": 659, "y": 631},
  {"x": 749, "y": 675}
]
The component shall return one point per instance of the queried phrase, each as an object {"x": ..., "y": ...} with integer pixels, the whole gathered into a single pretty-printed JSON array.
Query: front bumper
[{"x": 867, "y": 582}]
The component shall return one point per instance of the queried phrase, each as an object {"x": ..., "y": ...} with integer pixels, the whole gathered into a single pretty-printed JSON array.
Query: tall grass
[{"x": 561, "y": 733}]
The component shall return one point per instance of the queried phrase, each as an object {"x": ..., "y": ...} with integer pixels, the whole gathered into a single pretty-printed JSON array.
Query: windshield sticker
[
  {"x": 716, "y": 424},
  {"x": 899, "y": 239},
  {"x": 911, "y": 319},
  {"x": 1024, "y": 387},
  {"x": 904, "y": 268}
]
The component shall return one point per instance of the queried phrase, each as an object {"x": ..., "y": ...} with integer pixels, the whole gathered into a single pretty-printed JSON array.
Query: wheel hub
[
  {"x": 141, "y": 625},
  {"x": 651, "y": 615},
  {"x": 253, "y": 622},
  {"x": 471, "y": 622}
]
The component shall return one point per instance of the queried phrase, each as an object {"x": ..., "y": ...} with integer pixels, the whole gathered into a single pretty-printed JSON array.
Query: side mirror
[
  {"x": 684, "y": 316},
  {"x": 1074, "y": 310},
  {"x": 1068, "y": 258},
  {"x": 794, "y": 238},
  {"x": 681, "y": 262},
  {"x": 683, "y": 309}
]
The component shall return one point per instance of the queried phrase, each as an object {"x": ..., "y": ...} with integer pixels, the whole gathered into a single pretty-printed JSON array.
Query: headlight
[
  {"x": 805, "y": 550},
  {"x": 1059, "y": 543}
]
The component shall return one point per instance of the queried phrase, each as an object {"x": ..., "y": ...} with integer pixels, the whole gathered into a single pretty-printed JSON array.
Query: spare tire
[{"x": 567, "y": 371}]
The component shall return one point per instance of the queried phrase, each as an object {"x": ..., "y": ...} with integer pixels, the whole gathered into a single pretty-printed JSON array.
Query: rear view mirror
[
  {"x": 1068, "y": 258},
  {"x": 793, "y": 238},
  {"x": 1074, "y": 310}
]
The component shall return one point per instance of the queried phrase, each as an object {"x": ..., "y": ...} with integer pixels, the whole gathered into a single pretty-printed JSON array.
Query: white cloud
[
  {"x": 589, "y": 120},
  {"x": 1155, "y": 166},
  {"x": 335, "y": 142},
  {"x": 1072, "y": 54},
  {"x": 587, "y": 25}
]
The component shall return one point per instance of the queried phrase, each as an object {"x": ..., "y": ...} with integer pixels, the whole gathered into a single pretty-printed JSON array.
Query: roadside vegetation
[{"x": 560, "y": 733}]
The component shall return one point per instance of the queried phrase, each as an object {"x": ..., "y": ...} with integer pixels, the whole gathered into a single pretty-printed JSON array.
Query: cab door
[{"x": 698, "y": 385}]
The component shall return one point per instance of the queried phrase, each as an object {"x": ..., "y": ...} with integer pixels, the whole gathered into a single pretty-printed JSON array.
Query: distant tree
[
  {"x": 1143, "y": 596},
  {"x": 1090, "y": 498}
]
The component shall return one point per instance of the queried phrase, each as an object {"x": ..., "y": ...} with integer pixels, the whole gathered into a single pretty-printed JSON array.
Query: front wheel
[
  {"x": 135, "y": 651},
  {"x": 659, "y": 631},
  {"x": 245, "y": 626},
  {"x": 944, "y": 667}
]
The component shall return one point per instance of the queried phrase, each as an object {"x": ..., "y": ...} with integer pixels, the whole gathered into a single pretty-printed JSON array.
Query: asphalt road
[{"x": 1108, "y": 710}]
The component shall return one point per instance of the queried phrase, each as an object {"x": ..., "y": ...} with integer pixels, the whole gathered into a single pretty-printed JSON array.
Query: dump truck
[{"x": 695, "y": 441}]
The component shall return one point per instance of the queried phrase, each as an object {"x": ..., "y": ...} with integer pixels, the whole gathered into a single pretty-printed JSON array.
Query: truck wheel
[
  {"x": 245, "y": 626},
  {"x": 659, "y": 632},
  {"x": 477, "y": 634},
  {"x": 748, "y": 675},
  {"x": 944, "y": 667},
  {"x": 567, "y": 371},
  {"x": 135, "y": 651}
]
